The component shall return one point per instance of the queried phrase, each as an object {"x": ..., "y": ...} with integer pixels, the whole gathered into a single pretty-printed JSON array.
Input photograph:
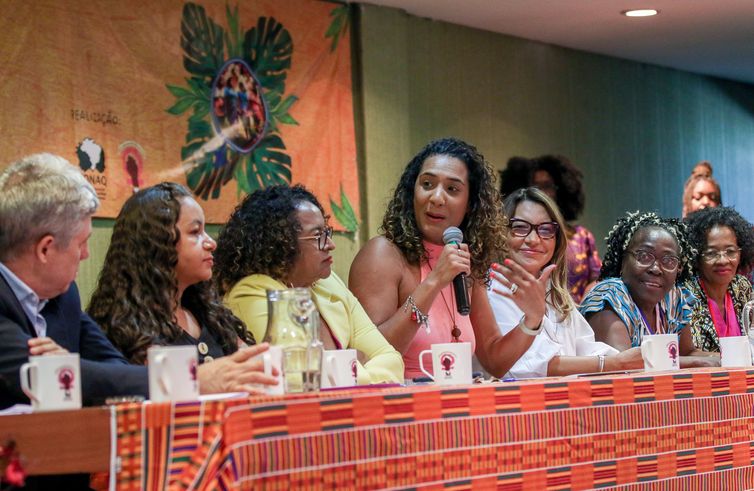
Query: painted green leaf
[
  {"x": 233, "y": 38},
  {"x": 268, "y": 48},
  {"x": 344, "y": 213},
  {"x": 180, "y": 106},
  {"x": 240, "y": 176},
  {"x": 178, "y": 91},
  {"x": 338, "y": 26},
  {"x": 198, "y": 130},
  {"x": 201, "y": 41},
  {"x": 278, "y": 109},
  {"x": 269, "y": 164}
]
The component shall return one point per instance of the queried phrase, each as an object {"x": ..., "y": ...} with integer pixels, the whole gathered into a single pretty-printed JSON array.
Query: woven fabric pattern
[{"x": 671, "y": 430}]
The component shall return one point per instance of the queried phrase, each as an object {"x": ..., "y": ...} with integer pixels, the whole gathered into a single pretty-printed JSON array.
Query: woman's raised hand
[{"x": 527, "y": 291}]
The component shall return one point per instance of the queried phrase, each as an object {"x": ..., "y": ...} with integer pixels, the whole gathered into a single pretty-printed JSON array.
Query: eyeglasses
[
  {"x": 321, "y": 238},
  {"x": 545, "y": 230},
  {"x": 712, "y": 255},
  {"x": 647, "y": 259}
]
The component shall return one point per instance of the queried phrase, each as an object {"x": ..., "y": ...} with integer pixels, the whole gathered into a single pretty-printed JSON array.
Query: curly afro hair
[
  {"x": 516, "y": 175},
  {"x": 484, "y": 227},
  {"x": 261, "y": 236},
  {"x": 625, "y": 229},
  {"x": 567, "y": 177},
  {"x": 702, "y": 221}
]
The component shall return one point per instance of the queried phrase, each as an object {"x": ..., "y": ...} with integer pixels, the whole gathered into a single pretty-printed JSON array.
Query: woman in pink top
[{"x": 403, "y": 278}]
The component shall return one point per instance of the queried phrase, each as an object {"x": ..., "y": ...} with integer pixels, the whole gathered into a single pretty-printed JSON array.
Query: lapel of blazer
[{"x": 10, "y": 305}]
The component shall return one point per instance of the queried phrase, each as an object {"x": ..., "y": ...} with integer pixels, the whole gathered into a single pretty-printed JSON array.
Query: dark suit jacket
[{"x": 104, "y": 371}]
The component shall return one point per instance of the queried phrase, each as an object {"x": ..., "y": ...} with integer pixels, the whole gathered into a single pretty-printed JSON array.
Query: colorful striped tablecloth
[{"x": 691, "y": 429}]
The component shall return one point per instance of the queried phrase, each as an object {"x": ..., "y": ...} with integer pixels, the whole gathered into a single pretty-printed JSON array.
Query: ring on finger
[{"x": 514, "y": 289}]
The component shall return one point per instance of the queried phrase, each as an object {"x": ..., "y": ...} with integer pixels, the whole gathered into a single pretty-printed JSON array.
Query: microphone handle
[{"x": 462, "y": 294}]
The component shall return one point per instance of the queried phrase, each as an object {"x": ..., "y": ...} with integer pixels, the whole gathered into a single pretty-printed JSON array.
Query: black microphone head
[{"x": 452, "y": 235}]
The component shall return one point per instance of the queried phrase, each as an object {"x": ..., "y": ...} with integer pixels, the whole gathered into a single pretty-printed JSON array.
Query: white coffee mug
[
  {"x": 273, "y": 358},
  {"x": 660, "y": 352},
  {"x": 451, "y": 363},
  {"x": 735, "y": 351},
  {"x": 339, "y": 368},
  {"x": 52, "y": 382},
  {"x": 173, "y": 373}
]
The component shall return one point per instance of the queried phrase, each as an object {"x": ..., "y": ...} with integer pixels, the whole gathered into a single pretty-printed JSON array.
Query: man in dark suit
[{"x": 46, "y": 208}]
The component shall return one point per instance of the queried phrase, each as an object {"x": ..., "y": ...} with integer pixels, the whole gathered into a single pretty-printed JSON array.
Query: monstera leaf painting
[{"x": 235, "y": 93}]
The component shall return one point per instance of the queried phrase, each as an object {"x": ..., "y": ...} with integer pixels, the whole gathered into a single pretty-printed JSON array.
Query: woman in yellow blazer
[{"x": 278, "y": 238}]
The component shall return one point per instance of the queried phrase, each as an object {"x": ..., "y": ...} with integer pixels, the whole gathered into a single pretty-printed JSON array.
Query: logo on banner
[
  {"x": 132, "y": 159},
  {"x": 92, "y": 162}
]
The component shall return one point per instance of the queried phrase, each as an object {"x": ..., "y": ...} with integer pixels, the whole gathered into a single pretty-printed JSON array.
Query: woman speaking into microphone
[{"x": 404, "y": 277}]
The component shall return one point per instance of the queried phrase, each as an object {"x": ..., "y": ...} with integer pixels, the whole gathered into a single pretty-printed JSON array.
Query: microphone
[{"x": 453, "y": 235}]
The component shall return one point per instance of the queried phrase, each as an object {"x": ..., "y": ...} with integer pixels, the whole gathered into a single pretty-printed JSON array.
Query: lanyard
[{"x": 658, "y": 320}]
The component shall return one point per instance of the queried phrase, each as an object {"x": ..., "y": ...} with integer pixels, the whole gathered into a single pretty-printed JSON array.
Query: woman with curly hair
[
  {"x": 566, "y": 344},
  {"x": 154, "y": 287},
  {"x": 278, "y": 238},
  {"x": 403, "y": 278},
  {"x": 639, "y": 291},
  {"x": 560, "y": 179},
  {"x": 725, "y": 244}
]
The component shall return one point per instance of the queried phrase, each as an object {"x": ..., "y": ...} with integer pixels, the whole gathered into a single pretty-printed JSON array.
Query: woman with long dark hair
[{"x": 154, "y": 288}]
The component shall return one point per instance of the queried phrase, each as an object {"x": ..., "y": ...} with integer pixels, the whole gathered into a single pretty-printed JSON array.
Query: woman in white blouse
[{"x": 564, "y": 343}]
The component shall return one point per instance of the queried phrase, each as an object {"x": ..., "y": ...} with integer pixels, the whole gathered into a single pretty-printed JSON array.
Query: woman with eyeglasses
[
  {"x": 561, "y": 181},
  {"x": 639, "y": 292},
  {"x": 565, "y": 343},
  {"x": 725, "y": 244},
  {"x": 279, "y": 238}
]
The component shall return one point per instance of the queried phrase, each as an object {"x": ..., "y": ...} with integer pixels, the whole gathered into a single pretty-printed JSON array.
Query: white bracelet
[
  {"x": 601, "y": 360},
  {"x": 530, "y": 332}
]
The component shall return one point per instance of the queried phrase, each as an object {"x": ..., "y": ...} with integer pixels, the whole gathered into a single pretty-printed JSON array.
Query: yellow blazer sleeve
[
  {"x": 354, "y": 329},
  {"x": 248, "y": 301}
]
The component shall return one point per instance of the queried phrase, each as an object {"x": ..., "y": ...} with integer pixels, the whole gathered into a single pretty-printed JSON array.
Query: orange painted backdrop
[{"x": 104, "y": 75}]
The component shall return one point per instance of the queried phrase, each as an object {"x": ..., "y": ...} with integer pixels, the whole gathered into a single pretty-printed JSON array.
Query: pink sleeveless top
[{"x": 440, "y": 322}]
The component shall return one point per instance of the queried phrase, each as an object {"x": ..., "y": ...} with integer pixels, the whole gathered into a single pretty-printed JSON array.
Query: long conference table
[{"x": 690, "y": 429}]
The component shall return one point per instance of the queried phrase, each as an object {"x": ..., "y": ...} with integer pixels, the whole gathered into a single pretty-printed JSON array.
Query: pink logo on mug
[
  {"x": 353, "y": 369},
  {"x": 192, "y": 369},
  {"x": 447, "y": 360},
  {"x": 66, "y": 378},
  {"x": 673, "y": 352}
]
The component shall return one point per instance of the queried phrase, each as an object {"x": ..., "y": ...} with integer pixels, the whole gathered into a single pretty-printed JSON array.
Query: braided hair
[{"x": 624, "y": 230}]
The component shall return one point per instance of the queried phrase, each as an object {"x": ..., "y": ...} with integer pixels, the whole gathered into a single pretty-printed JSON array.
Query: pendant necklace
[{"x": 455, "y": 331}]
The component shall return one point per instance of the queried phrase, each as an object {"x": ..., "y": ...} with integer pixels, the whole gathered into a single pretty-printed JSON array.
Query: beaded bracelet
[{"x": 416, "y": 314}]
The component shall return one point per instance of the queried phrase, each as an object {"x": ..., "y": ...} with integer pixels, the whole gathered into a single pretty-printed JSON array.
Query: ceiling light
[{"x": 640, "y": 12}]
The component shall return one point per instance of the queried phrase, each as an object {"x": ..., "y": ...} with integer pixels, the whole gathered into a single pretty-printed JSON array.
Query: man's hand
[
  {"x": 45, "y": 346},
  {"x": 239, "y": 372}
]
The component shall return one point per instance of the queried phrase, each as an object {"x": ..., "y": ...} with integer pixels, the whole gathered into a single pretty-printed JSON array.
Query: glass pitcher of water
[{"x": 293, "y": 324}]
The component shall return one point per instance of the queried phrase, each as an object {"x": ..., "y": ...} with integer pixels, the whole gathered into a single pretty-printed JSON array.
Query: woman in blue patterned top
[{"x": 646, "y": 261}]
